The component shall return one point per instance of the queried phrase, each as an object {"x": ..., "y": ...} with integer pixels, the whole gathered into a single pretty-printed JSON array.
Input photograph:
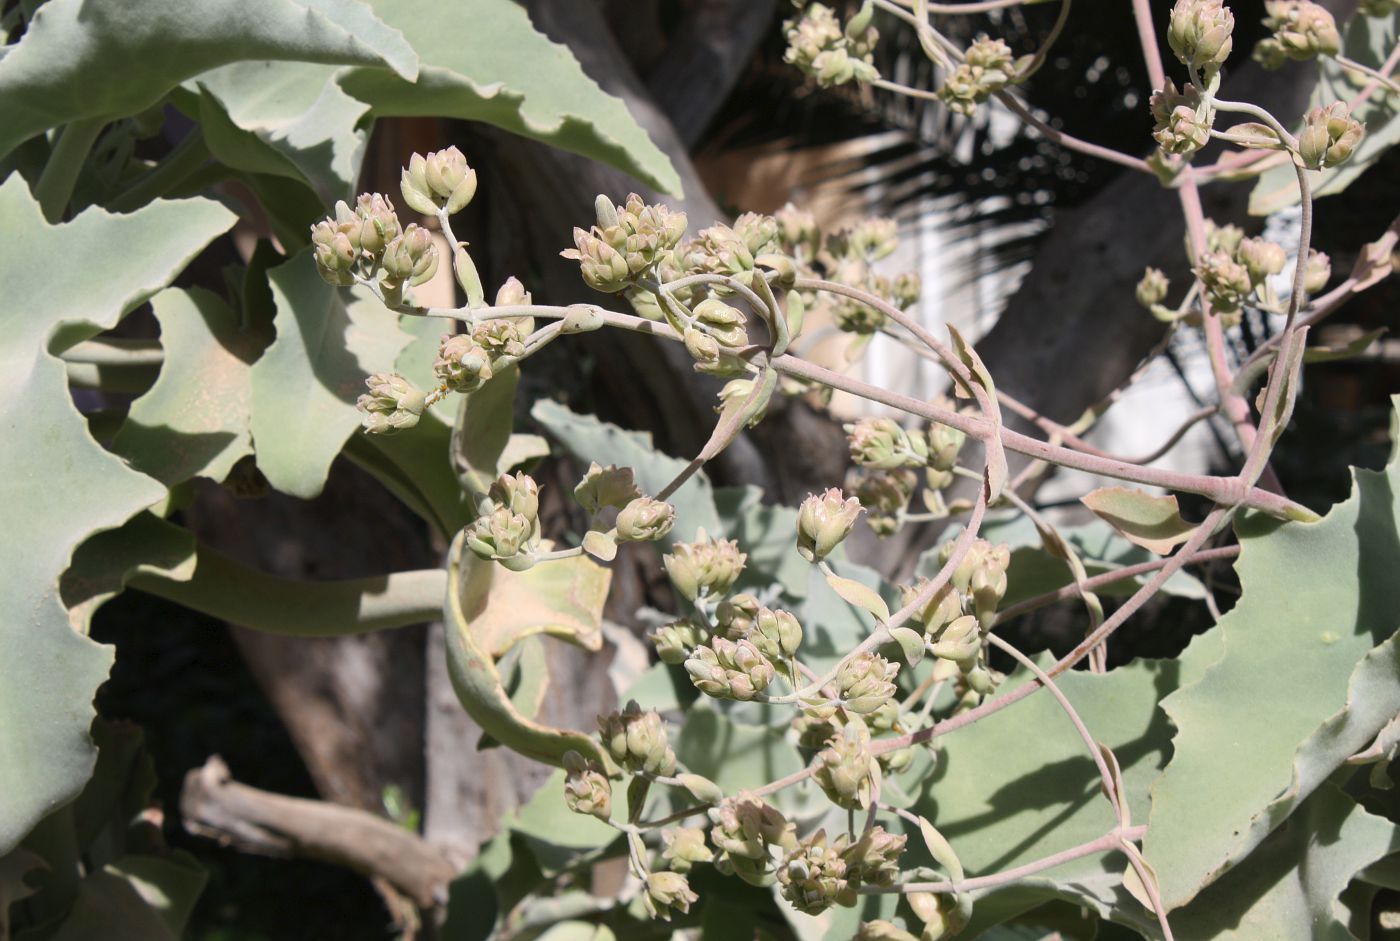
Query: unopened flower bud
[
  {"x": 776, "y": 634},
  {"x": 798, "y": 229},
  {"x": 604, "y": 268},
  {"x": 988, "y": 67},
  {"x": 723, "y": 322},
  {"x": 944, "y": 444},
  {"x": 960, "y": 641},
  {"x": 1317, "y": 272},
  {"x": 370, "y": 225},
  {"x": 645, "y": 520},
  {"x": 881, "y": 443},
  {"x": 823, "y": 522},
  {"x": 411, "y": 257},
  {"x": 1226, "y": 281},
  {"x": 606, "y": 486},
  {"x": 1262, "y": 258},
  {"x": 1200, "y": 33},
  {"x": 813, "y": 876},
  {"x": 736, "y": 615},
  {"x": 942, "y": 609},
  {"x": 845, "y": 770},
  {"x": 1302, "y": 29},
  {"x": 500, "y": 339},
  {"x": 1152, "y": 289},
  {"x": 743, "y": 829},
  {"x": 667, "y": 891},
  {"x": 636, "y": 740},
  {"x": 1329, "y": 136},
  {"x": 727, "y": 669},
  {"x": 335, "y": 254},
  {"x": 683, "y": 847},
  {"x": 462, "y": 364},
  {"x": 675, "y": 641},
  {"x": 884, "y": 495},
  {"x": 866, "y": 682},
  {"x": 501, "y": 534},
  {"x": 1182, "y": 119},
  {"x": 517, "y": 492},
  {"x": 873, "y": 859},
  {"x": 702, "y": 347},
  {"x": 905, "y": 289},
  {"x": 586, "y": 787},
  {"x": 391, "y": 404},
  {"x": 512, "y": 293},
  {"x": 706, "y": 567}
]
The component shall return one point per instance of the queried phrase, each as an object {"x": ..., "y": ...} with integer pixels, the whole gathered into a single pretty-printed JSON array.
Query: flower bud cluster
[
  {"x": 777, "y": 634},
  {"x": 610, "y": 486},
  {"x": 439, "y": 182},
  {"x": 745, "y": 830},
  {"x": 683, "y": 847},
  {"x": 823, "y": 521},
  {"x": 391, "y": 404},
  {"x": 510, "y": 531},
  {"x": 846, "y": 771},
  {"x": 1301, "y": 29},
  {"x": 705, "y": 568},
  {"x": 727, "y": 669},
  {"x": 883, "y": 444},
  {"x": 981, "y": 576},
  {"x": 814, "y": 875},
  {"x": 988, "y": 67},
  {"x": 586, "y": 788},
  {"x": 675, "y": 641},
  {"x": 1200, "y": 33},
  {"x": 820, "y": 47},
  {"x": 1329, "y": 136},
  {"x": 636, "y": 740},
  {"x": 628, "y": 242},
  {"x": 667, "y": 892},
  {"x": 884, "y": 495},
  {"x": 357, "y": 244},
  {"x": 1182, "y": 119}
]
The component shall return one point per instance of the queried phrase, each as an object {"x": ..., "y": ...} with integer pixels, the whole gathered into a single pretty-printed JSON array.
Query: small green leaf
[
  {"x": 1346, "y": 350},
  {"x": 1145, "y": 520},
  {"x": 911, "y": 642},
  {"x": 941, "y": 850},
  {"x": 862, "y": 596},
  {"x": 600, "y": 545}
]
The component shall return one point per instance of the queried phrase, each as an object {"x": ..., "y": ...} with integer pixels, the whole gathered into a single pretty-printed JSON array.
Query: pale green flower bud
[
  {"x": 727, "y": 669},
  {"x": 413, "y": 184},
  {"x": 743, "y": 828},
  {"x": 500, "y": 339},
  {"x": 1262, "y": 258},
  {"x": 1226, "y": 281},
  {"x": 942, "y": 609},
  {"x": 873, "y": 859},
  {"x": 736, "y": 615},
  {"x": 881, "y": 930},
  {"x": 905, "y": 289},
  {"x": 604, "y": 268},
  {"x": 874, "y": 238},
  {"x": 410, "y": 257},
  {"x": 1270, "y": 54},
  {"x": 586, "y": 788},
  {"x": 776, "y": 634},
  {"x": 391, "y": 404},
  {"x": 675, "y": 641},
  {"x": 720, "y": 250},
  {"x": 1200, "y": 33},
  {"x": 636, "y": 740},
  {"x": 798, "y": 229},
  {"x": 501, "y": 534},
  {"x": 988, "y": 587},
  {"x": 817, "y": 31},
  {"x": 1223, "y": 238},
  {"x": 813, "y": 876},
  {"x": 517, "y": 492},
  {"x": 1152, "y": 289},
  {"x": 702, "y": 347},
  {"x": 1182, "y": 119},
  {"x": 724, "y": 323},
  {"x": 462, "y": 364},
  {"x": 944, "y": 444},
  {"x": 1302, "y": 29},
  {"x": 865, "y": 683},
  {"x": 1317, "y": 272},
  {"x": 704, "y": 568},
  {"x": 758, "y": 232},
  {"x": 845, "y": 769},
  {"x": 960, "y": 641},
  {"x": 645, "y": 520},
  {"x": 884, "y": 495},
  {"x": 897, "y": 761},
  {"x": 370, "y": 225},
  {"x": 606, "y": 486},
  {"x": 823, "y": 522},
  {"x": 512, "y": 294},
  {"x": 335, "y": 254},
  {"x": 1329, "y": 136},
  {"x": 881, "y": 443},
  {"x": 667, "y": 891},
  {"x": 683, "y": 847}
]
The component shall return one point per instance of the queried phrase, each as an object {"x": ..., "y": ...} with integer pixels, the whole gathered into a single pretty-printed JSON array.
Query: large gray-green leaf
[
  {"x": 1287, "y": 889},
  {"x": 589, "y": 439},
  {"x": 195, "y": 420},
  {"x": 1019, "y": 785},
  {"x": 66, "y": 486},
  {"x": 287, "y": 119},
  {"x": 111, "y": 58},
  {"x": 482, "y": 60},
  {"x": 1367, "y": 40},
  {"x": 305, "y": 385},
  {"x": 1300, "y": 674},
  {"x": 102, "y": 566}
]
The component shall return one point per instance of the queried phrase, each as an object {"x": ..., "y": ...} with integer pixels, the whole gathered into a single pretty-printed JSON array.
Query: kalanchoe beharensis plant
[{"x": 737, "y": 296}]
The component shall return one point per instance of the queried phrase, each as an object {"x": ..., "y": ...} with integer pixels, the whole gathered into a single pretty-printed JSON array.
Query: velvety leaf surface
[
  {"x": 195, "y": 420},
  {"x": 103, "y": 565},
  {"x": 1303, "y": 672},
  {"x": 482, "y": 60},
  {"x": 305, "y": 386},
  {"x": 111, "y": 58},
  {"x": 69, "y": 486}
]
